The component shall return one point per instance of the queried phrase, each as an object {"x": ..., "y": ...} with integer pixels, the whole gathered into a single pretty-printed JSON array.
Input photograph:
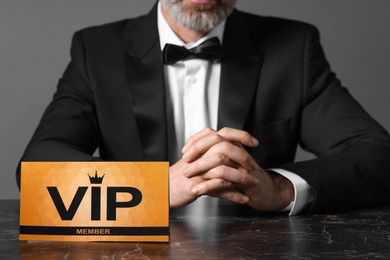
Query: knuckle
[
  {"x": 224, "y": 130},
  {"x": 218, "y": 148},
  {"x": 245, "y": 180},
  {"x": 208, "y": 130},
  {"x": 215, "y": 138},
  {"x": 194, "y": 147},
  {"x": 252, "y": 182},
  {"x": 192, "y": 166},
  {"x": 249, "y": 181},
  {"x": 255, "y": 182},
  {"x": 190, "y": 150},
  {"x": 220, "y": 158},
  {"x": 224, "y": 146},
  {"x": 235, "y": 197},
  {"x": 221, "y": 171},
  {"x": 246, "y": 158},
  {"x": 225, "y": 184}
]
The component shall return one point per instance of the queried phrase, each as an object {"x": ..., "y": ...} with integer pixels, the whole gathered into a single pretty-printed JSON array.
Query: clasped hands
[{"x": 216, "y": 163}]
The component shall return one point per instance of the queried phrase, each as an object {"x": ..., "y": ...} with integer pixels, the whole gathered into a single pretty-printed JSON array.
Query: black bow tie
[{"x": 208, "y": 50}]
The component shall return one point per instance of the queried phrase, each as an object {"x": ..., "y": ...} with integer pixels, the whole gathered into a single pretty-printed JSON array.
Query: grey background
[{"x": 35, "y": 40}]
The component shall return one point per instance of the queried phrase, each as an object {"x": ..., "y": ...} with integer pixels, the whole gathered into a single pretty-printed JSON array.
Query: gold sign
[{"x": 94, "y": 201}]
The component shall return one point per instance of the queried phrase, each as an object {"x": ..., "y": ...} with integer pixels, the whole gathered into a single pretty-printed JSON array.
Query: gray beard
[{"x": 200, "y": 21}]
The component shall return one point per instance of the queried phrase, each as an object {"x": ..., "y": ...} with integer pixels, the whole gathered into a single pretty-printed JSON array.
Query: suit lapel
[
  {"x": 144, "y": 72},
  {"x": 240, "y": 71}
]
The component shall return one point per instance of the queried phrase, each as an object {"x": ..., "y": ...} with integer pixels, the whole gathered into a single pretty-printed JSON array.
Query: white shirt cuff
[{"x": 303, "y": 194}]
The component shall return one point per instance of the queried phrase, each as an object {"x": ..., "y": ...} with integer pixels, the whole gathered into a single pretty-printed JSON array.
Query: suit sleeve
[
  {"x": 68, "y": 129},
  {"x": 353, "y": 164}
]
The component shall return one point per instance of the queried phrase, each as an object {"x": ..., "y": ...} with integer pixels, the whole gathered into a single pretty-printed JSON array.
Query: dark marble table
[{"x": 228, "y": 232}]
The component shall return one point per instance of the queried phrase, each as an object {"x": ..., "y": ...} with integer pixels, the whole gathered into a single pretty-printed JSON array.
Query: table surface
[{"x": 227, "y": 232}]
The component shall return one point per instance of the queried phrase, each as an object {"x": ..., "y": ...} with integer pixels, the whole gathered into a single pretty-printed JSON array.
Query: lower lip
[{"x": 203, "y": 1}]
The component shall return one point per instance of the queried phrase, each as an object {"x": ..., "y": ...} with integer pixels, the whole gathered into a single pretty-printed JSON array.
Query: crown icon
[{"x": 96, "y": 179}]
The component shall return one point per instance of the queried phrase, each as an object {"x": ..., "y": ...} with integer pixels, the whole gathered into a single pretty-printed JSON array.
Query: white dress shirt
[{"x": 193, "y": 93}]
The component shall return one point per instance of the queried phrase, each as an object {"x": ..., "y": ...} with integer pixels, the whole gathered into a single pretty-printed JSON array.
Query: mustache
[{"x": 199, "y": 17}]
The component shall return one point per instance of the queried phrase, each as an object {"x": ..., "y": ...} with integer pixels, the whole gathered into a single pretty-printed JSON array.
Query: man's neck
[{"x": 185, "y": 34}]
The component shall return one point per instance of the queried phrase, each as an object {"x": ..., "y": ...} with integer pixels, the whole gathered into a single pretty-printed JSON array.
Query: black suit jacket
[{"x": 275, "y": 83}]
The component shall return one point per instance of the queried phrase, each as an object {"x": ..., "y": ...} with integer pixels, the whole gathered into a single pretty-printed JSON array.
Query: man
[{"x": 130, "y": 93}]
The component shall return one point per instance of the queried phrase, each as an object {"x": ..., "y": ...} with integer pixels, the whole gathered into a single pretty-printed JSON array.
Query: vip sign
[{"x": 94, "y": 201}]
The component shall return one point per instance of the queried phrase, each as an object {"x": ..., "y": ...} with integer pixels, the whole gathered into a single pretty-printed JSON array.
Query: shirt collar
[{"x": 168, "y": 36}]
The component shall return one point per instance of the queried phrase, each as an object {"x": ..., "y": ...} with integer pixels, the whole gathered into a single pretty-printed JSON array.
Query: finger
[
  {"x": 207, "y": 162},
  {"x": 194, "y": 138},
  {"x": 234, "y": 153},
  {"x": 221, "y": 189},
  {"x": 201, "y": 146},
  {"x": 239, "y": 136},
  {"x": 221, "y": 154},
  {"x": 205, "y": 139},
  {"x": 238, "y": 177},
  {"x": 234, "y": 135},
  {"x": 232, "y": 195}
]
